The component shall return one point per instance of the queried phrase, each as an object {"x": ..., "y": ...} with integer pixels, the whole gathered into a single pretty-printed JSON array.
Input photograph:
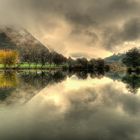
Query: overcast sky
[{"x": 89, "y": 28}]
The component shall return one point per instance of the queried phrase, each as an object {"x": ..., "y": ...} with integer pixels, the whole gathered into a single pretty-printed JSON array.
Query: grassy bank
[{"x": 31, "y": 66}]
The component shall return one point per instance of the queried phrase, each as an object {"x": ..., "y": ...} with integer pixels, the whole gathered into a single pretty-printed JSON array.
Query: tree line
[
  {"x": 132, "y": 60},
  {"x": 41, "y": 56},
  {"x": 85, "y": 64},
  {"x": 44, "y": 57},
  {"x": 30, "y": 56}
]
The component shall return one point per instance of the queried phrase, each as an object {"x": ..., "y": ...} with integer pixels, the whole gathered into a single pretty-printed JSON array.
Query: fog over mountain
[
  {"x": 18, "y": 38},
  {"x": 90, "y": 28}
]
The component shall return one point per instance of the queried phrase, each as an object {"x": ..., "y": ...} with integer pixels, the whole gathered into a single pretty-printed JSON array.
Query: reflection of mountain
[
  {"x": 30, "y": 83},
  {"x": 20, "y": 87},
  {"x": 115, "y": 76},
  {"x": 5, "y": 93},
  {"x": 40, "y": 79}
]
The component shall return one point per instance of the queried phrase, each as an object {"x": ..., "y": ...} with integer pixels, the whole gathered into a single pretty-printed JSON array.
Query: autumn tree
[
  {"x": 8, "y": 79},
  {"x": 8, "y": 57}
]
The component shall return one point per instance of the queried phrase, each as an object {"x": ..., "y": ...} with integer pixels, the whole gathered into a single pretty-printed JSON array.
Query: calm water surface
[{"x": 62, "y": 106}]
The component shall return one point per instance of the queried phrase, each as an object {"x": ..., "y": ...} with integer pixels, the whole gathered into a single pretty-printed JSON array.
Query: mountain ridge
[
  {"x": 18, "y": 38},
  {"x": 115, "y": 58}
]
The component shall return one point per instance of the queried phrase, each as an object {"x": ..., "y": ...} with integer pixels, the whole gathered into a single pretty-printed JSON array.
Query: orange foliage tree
[{"x": 9, "y": 57}]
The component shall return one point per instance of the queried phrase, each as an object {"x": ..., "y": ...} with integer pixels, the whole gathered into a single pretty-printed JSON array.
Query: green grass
[
  {"x": 32, "y": 66},
  {"x": 1, "y": 66}
]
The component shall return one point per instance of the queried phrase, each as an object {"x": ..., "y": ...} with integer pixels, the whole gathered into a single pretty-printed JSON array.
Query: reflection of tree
[
  {"x": 8, "y": 79},
  {"x": 133, "y": 82},
  {"x": 41, "y": 79},
  {"x": 8, "y": 82},
  {"x": 58, "y": 77},
  {"x": 33, "y": 79},
  {"x": 30, "y": 82},
  {"x": 82, "y": 74}
]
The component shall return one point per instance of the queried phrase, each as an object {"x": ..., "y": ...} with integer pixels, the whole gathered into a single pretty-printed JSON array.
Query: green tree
[
  {"x": 82, "y": 62},
  {"x": 100, "y": 64},
  {"x": 58, "y": 59},
  {"x": 91, "y": 64},
  {"x": 132, "y": 58},
  {"x": 44, "y": 57}
]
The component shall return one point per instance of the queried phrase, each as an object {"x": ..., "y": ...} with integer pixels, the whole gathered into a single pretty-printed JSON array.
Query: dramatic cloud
[
  {"x": 130, "y": 31},
  {"x": 78, "y": 26}
]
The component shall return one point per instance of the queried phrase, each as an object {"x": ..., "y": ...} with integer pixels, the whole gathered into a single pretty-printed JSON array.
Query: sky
[{"x": 77, "y": 28}]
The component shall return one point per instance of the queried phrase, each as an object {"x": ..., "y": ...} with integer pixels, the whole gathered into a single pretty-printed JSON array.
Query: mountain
[
  {"x": 18, "y": 38},
  {"x": 30, "y": 49},
  {"x": 5, "y": 42},
  {"x": 115, "y": 58}
]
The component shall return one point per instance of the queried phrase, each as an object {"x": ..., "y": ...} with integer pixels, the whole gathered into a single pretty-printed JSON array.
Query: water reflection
[
  {"x": 71, "y": 105},
  {"x": 26, "y": 84},
  {"x": 8, "y": 79},
  {"x": 133, "y": 82},
  {"x": 8, "y": 82},
  {"x": 42, "y": 79},
  {"x": 16, "y": 83}
]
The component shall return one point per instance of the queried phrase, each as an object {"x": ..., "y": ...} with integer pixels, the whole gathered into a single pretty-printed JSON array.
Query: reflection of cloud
[{"x": 94, "y": 109}]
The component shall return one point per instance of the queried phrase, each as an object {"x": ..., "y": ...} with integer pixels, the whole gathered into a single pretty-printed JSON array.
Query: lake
[{"x": 57, "y": 105}]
